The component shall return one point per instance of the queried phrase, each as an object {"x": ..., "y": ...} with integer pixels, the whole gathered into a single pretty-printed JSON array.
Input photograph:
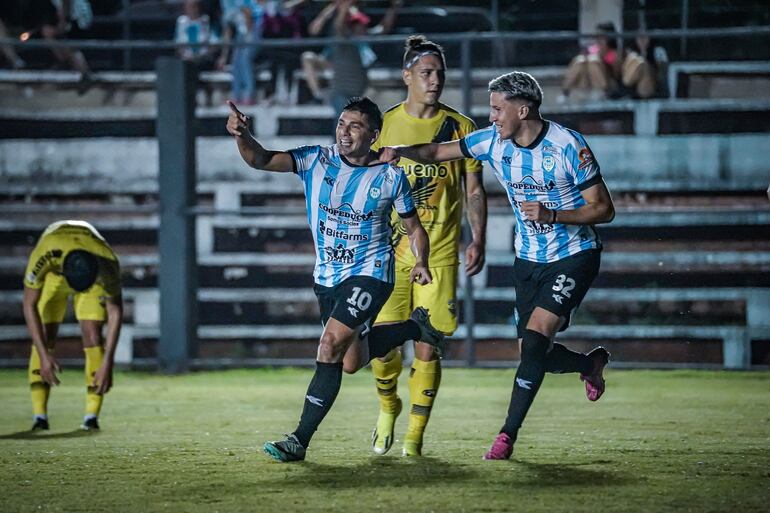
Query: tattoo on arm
[{"x": 477, "y": 213}]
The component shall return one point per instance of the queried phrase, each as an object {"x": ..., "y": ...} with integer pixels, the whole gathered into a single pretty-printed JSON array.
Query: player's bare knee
[
  {"x": 425, "y": 352},
  {"x": 331, "y": 348},
  {"x": 350, "y": 367}
]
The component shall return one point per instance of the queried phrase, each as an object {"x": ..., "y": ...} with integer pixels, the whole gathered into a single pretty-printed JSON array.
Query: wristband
[{"x": 553, "y": 221}]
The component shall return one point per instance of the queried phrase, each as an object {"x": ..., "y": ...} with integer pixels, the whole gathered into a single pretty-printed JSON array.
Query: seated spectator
[
  {"x": 349, "y": 62},
  {"x": 596, "y": 69},
  {"x": 8, "y": 51},
  {"x": 193, "y": 29},
  {"x": 643, "y": 73}
]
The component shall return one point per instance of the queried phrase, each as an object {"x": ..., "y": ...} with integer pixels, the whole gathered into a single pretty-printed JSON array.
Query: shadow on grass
[
  {"x": 375, "y": 473},
  {"x": 39, "y": 435},
  {"x": 546, "y": 475}
]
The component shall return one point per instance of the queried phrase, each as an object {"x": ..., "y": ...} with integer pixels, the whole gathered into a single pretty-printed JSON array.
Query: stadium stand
[{"x": 684, "y": 282}]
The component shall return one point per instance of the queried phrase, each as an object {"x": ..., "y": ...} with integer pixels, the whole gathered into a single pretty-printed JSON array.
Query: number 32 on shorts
[{"x": 563, "y": 286}]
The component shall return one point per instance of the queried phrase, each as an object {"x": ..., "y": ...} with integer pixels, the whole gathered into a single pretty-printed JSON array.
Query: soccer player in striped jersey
[
  {"x": 350, "y": 195},
  {"x": 557, "y": 193},
  {"x": 438, "y": 194}
]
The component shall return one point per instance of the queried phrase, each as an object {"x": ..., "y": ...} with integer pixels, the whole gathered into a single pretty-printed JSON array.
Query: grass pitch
[{"x": 657, "y": 441}]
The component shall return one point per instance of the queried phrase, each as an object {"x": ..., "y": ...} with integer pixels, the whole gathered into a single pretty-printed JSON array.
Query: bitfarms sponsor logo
[{"x": 339, "y": 234}]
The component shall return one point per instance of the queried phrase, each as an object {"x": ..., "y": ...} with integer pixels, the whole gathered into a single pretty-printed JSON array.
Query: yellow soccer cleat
[
  {"x": 382, "y": 437},
  {"x": 412, "y": 448}
]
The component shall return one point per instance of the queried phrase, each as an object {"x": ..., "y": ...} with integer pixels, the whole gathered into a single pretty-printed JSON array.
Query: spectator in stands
[
  {"x": 8, "y": 51},
  {"x": 72, "y": 259},
  {"x": 193, "y": 29},
  {"x": 283, "y": 20},
  {"x": 61, "y": 19},
  {"x": 643, "y": 73},
  {"x": 242, "y": 19},
  {"x": 349, "y": 62},
  {"x": 596, "y": 68}
]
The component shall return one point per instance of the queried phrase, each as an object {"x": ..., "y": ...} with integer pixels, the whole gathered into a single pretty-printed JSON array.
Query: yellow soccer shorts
[
  {"x": 88, "y": 305},
  {"x": 439, "y": 297}
]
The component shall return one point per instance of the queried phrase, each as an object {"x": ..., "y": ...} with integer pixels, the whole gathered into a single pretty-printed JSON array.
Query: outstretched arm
[
  {"x": 476, "y": 210},
  {"x": 251, "y": 151},
  {"x": 420, "y": 244},
  {"x": 389, "y": 20},
  {"x": 317, "y": 25},
  {"x": 424, "y": 153}
]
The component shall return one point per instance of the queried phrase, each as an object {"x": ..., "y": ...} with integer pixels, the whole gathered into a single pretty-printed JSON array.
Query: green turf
[{"x": 658, "y": 441}]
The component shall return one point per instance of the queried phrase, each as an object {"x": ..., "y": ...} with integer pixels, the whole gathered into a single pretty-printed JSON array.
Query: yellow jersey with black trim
[
  {"x": 437, "y": 189},
  {"x": 58, "y": 240}
]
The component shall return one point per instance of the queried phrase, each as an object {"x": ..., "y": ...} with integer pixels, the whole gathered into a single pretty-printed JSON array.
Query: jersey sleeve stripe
[
  {"x": 464, "y": 148},
  {"x": 590, "y": 183}
]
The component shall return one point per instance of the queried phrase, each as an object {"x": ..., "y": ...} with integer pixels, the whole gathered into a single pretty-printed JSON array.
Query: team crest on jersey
[
  {"x": 329, "y": 180},
  {"x": 549, "y": 162},
  {"x": 586, "y": 158},
  {"x": 375, "y": 192}
]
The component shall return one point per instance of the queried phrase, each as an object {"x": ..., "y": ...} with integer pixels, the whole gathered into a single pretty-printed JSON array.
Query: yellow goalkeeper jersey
[
  {"x": 437, "y": 189},
  {"x": 58, "y": 240}
]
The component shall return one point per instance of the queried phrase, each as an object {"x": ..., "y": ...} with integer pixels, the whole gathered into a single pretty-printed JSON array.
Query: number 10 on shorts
[{"x": 360, "y": 300}]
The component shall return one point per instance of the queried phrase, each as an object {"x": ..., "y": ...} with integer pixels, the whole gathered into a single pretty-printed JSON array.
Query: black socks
[
  {"x": 561, "y": 360},
  {"x": 529, "y": 376},
  {"x": 321, "y": 394},
  {"x": 383, "y": 338}
]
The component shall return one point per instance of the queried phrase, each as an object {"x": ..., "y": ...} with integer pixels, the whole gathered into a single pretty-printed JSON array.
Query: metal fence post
[
  {"x": 177, "y": 274},
  {"x": 468, "y": 301},
  {"x": 126, "y": 34}
]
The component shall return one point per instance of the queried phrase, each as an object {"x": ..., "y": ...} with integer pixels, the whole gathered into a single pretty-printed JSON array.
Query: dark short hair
[
  {"x": 365, "y": 105},
  {"x": 418, "y": 45},
  {"x": 80, "y": 269}
]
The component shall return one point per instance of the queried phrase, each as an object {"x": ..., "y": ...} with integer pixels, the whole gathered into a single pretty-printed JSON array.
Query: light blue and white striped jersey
[
  {"x": 348, "y": 210},
  {"x": 552, "y": 170}
]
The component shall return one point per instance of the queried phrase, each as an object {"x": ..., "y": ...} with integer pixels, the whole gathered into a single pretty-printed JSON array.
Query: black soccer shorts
[
  {"x": 354, "y": 302},
  {"x": 558, "y": 287}
]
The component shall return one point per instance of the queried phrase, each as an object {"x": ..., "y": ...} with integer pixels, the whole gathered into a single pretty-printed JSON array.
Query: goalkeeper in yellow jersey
[
  {"x": 72, "y": 259},
  {"x": 437, "y": 190}
]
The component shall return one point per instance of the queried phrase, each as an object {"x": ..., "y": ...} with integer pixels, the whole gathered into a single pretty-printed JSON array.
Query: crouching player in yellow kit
[
  {"x": 437, "y": 192},
  {"x": 72, "y": 259}
]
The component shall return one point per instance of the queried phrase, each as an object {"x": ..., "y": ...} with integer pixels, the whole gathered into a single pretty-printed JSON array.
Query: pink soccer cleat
[
  {"x": 595, "y": 381},
  {"x": 502, "y": 448}
]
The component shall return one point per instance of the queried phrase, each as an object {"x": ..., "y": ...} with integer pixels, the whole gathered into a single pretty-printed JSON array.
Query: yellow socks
[
  {"x": 94, "y": 357},
  {"x": 424, "y": 381},
  {"x": 386, "y": 373},
  {"x": 38, "y": 389}
]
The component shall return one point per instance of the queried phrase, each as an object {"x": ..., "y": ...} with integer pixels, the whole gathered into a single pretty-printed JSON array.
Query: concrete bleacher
[{"x": 255, "y": 277}]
